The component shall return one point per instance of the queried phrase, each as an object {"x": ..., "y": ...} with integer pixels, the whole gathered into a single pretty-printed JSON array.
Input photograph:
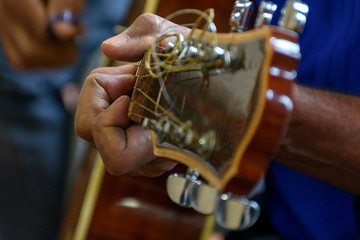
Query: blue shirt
[{"x": 302, "y": 207}]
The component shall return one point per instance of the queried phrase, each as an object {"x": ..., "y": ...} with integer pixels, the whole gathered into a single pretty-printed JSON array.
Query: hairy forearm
[{"x": 323, "y": 139}]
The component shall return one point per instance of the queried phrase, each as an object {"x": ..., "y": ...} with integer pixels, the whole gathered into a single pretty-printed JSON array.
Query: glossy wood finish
[
  {"x": 271, "y": 108},
  {"x": 136, "y": 208},
  {"x": 275, "y": 119}
]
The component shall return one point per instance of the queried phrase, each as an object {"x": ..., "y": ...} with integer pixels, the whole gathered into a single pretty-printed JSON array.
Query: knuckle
[
  {"x": 94, "y": 78},
  {"x": 113, "y": 166},
  {"x": 97, "y": 123},
  {"x": 147, "y": 17},
  {"x": 82, "y": 130},
  {"x": 79, "y": 128},
  {"x": 149, "y": 20},
  {"x": 95, "y": 71},
  {"x": 113, "y": 170}
]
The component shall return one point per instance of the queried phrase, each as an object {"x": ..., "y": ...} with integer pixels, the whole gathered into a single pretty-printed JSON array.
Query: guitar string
[
  {"x": 182, "y": 80},
  {"x": 172, "y": 57},
  {"x": 164, "y": 111},
  {"x": 175, "y": 70},
  {"x": 159, "y": 64}
]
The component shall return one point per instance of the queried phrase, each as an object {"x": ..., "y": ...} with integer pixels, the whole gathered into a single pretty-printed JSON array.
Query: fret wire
[
  {"x": 180, "y": 80},
  {"x": 137, "y": 115},
  {"x": 142, "y": 76}
]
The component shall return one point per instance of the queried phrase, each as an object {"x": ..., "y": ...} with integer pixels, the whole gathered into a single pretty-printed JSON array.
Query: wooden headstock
[
  {"x": 220, "y": 104},
  {"x": 223, "y": 117}
]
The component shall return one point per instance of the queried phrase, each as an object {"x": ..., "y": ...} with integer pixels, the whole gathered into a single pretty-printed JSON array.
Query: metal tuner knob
[
  {"x": 240, "y": 16},
  {"x": 236, "y": 213},
  {"x": 178, "y": 186},
  {"x": 293, "y": 15},
  {"x": 203, "y": 197},
  {"x": 265, "y": 13}
]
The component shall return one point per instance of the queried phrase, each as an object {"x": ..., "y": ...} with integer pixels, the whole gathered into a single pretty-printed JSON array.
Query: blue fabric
[
  {"x": 302, "y": 207},
  {"x": 357, "y": 213},
  {"x": 35, "y": 131}
]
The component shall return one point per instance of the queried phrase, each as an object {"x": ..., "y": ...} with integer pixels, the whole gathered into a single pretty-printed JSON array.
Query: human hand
[
  {"x": 102, "y": 113},
  {"x": 24, "y": 32}
]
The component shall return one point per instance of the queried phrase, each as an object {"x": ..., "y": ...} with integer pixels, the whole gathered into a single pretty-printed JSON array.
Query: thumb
[
  {"x": 63, "y": 18},
  {"x": 131, "y": 44},
  {"x": 124, "y": 48}
]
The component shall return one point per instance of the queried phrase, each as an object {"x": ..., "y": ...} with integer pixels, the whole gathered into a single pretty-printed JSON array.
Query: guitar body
[
  {"x": 139, "y": 208},
  {"x": 106, "y": 207}
]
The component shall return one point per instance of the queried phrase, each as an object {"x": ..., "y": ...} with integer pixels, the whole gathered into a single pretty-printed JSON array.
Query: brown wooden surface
[
  {"x": 274, "y": 122},
  {"x": 155, "y": 217},
  {"x": 274, "y": 115}
]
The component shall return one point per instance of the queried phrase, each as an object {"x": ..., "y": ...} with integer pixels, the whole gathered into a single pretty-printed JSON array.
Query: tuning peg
[
  {"x": 236, "y": 213},
  {"x": 231, "y": 211},
  {"x": 178, "y": 186},
  {"x": 203, "y": 197},
  {"x": 161, "y": 127},
  {"x": 265, "y": 13},
  {"x": 293, "y": 15},
  {"x": 241, "y": 15}
]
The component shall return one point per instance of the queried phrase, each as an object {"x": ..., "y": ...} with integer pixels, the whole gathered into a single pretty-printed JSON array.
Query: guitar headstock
[{"x": 219, "y": 104}]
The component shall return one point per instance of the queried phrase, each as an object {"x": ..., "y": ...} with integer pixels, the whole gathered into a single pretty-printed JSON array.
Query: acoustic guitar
[
  {"x": 219, "y": 110},
  {"x": 219, "y": 104}
]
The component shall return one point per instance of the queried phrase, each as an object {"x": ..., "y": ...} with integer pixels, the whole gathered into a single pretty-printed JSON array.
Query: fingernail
[
  {"x": 116, "y": 41},
  {"x": 122, "y": 99}
]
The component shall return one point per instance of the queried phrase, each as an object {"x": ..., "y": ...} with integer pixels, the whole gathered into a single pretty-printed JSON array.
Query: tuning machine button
[
  {"x": 231, "y": 211},
  {"x": 236, "y": 212},
  {"x": 189, "y": 191},
  {"x": 178, "y": 186},
  {"x": 203, "y": 197},
  {"x": 293, "y": 15},
  {"x": 265, "y": 13},
  {"x": 241, "y": 15}
]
